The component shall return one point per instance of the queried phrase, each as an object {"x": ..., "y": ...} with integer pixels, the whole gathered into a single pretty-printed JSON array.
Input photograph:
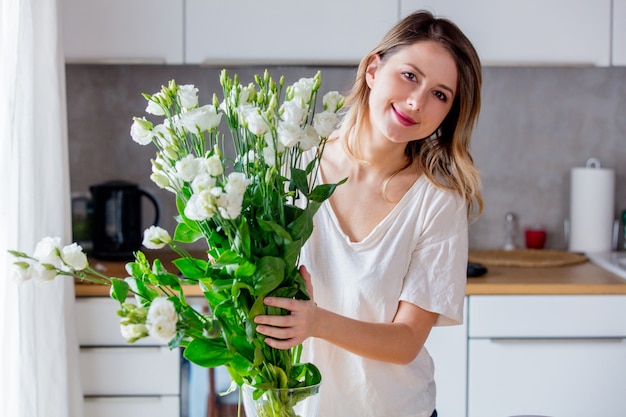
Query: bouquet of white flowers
[{"x": 244, "y": 208}]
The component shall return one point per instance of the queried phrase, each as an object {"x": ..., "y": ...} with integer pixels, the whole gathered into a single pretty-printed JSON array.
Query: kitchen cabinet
[
  {"x": 619, "y": 32},
  {"x": 118, "y": 378},
  {"x": 447, "y": 345},
  {"x": 120, "y": 31},
  {"x": 547, "y": 355},
  {"x": 284, "y": 31},
  {"x": 534, "y": 32}
]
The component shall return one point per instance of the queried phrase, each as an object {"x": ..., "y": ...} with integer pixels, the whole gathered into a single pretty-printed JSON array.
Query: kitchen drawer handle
[
  {"x": 125, "y": 399},
  {"x": 117, "y": 349},
  {"x": 557, "y": 339}
]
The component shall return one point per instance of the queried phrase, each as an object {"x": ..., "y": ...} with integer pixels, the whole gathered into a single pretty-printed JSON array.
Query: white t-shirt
[{"x": 418, "y": 253}]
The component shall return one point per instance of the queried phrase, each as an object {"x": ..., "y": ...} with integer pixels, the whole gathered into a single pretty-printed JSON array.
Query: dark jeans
[{"x": 434, "y": 414}]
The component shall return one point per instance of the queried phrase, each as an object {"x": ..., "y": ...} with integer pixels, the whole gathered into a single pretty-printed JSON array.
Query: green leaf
[
  {"x": 244, "y": 239},
  {"x": 323, "y": 191},
  {"x": 302, "y": 227},
  {"x": 269, "y": 275},
  {"x": 300, "y": 181},
  {"x": 192, "y": 267},
  {"x": 283, "y": 235},
  {"x": 208, "y": 353},
  {"x": 119, "y": 290},
  {"x": 186, "y": 234}
]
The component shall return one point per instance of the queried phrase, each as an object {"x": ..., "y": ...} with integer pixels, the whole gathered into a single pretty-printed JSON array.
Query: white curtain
[{"x": 38, "y": 348}]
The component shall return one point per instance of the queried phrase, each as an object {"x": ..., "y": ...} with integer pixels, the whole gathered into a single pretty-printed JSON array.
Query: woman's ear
[{"x": 370, "y": 71}]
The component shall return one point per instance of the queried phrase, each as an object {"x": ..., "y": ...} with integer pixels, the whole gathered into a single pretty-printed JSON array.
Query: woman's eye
[
  {"x": 409, "y": 76},
  {"x": 441, "y": 96}
]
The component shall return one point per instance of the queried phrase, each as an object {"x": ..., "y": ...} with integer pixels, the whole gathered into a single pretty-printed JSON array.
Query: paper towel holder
[{"x": 593, "y": 163}]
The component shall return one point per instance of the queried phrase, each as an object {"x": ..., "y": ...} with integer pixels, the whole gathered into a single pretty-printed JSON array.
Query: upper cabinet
[
  {"x": 121, "y": 31},
  {"x": 330, "y": 32},
  {"x": 531, "y": 32},
  {"x": 284, "y": 31},
  {"x": 619, "y": 32}
]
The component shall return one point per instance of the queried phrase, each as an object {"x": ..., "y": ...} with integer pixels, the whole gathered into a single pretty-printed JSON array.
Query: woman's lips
[{"x": 403, "y": 118}]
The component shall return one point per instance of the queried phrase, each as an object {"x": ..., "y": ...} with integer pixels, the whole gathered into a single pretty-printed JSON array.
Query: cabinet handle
[
  {"x": 126, "y": 399},
  {"x": 117, "y": 349},
  {"x": 557, "y": 340}
]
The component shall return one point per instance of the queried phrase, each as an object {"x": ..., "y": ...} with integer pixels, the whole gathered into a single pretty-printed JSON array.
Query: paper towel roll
[{"x": 592, "y": 200}]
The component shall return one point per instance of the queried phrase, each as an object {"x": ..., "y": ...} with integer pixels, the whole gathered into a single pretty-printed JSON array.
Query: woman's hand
[{"x": 285, "y": 332}]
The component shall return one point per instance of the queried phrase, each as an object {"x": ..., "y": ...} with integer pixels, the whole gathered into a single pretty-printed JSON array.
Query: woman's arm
[{"x": 397, "y": 342}]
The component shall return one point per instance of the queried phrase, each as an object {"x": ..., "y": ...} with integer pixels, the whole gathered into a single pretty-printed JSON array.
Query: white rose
[
  {"x": 162, "y": 307},
  {"x": 325, "y": 122},
  {"x": 188, "y": 96},
  {"x": 332, "y": 101},
  {"x": 132, "y": 332},
  {"x": 303, "y": 88},
  {"x": 43, "y": 274},
  {"x": 141, "y": 131},
  {"x": 187, "y": 168},
  {"x": 269, "y": 155},
  {"x": 162, "y": 318},
  {"x": 48, "y": 251},
  {"x": 309, "y": 139},
  {"x": 162, "y": 329},
  {"x": 160, "y": 179},
  {"x": 293, "y": 112},
  {"x": 201, "y": 206},
  {"x": 163, "y": 135},
  {"x": 246, "y": 93},
  {"x": 237, "y": 183},
  {"x": 154, "y": 108},
  {"x": 22, "y": 271},
  {"x": 155, "y": 237},
  {"x": 201, "y": 119},
  {"x": 214, "y": 166},
  {"x": 289, "y": 134},
  {"x": 74, "y": 256},
  {"x": 230, "y": 205},
  {"x": 256, "y": 123},
  {"x": 202, "y": 182}
]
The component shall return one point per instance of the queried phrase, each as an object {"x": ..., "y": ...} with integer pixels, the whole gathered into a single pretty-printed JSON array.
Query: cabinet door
[
  {"x": 619, "y": 32},
  {"x": 132, "y": 406},
  {"x": 535, "y": 32},
  {"x": 548, "y": 377},
  {"x": 120, "y": 31},
  {"x": 284, "y": 31},
  {"x": 447, "y": 345},
  {"x": 130, "y": 371},
  {"x": 97, "y": 324}
]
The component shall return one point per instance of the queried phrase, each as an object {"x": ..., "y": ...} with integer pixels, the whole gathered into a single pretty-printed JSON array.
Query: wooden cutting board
[{"x": 527, "y": 258}]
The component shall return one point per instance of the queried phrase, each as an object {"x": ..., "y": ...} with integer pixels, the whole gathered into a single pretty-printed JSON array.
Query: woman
[{"x": 388, "y": 255}]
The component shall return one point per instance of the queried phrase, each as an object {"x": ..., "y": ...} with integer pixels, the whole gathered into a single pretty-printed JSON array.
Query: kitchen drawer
[
  {"x": 132, "y": 406},
  {"x": 547, "y": 316},
  {"x": 130, "y": 371},
  {"x": 547, "y": 377},
  {"x": 98, "y": 324}
]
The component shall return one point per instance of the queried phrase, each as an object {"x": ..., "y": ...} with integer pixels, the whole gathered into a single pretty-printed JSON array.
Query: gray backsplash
[{"x": 536, "y": 124}]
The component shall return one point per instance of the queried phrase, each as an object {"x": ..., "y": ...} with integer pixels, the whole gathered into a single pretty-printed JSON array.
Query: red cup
[{"x": 535, "y": 238}]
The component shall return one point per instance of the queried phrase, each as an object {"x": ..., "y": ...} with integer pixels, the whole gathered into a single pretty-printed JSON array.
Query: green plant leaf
[
  {"x": 269, "y": 275},
  {"x": 192, "y": 267},
  {"x": 186, "y": 234},
  {"x": 300, "y": 181},
  {"x": 208, "y": 353},
  {"x": 323, "y": 191},
  {"x": 119, "y": 290},
  {"x": 281, "y": 234}
]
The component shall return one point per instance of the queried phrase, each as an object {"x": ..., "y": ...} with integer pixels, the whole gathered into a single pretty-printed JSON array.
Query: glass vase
[{"x": 281, "y": 402}]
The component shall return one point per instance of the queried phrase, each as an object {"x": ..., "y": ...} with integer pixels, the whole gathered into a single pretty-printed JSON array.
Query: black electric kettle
[{"x": 117, "y": 228}]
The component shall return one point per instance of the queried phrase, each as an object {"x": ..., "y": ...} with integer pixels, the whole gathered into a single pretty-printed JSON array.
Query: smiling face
[{"x": 411, "y": 91}]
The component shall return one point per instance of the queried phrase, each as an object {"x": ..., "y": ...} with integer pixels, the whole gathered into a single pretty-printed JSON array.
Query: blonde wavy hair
[{"x": 444, "y": 156}]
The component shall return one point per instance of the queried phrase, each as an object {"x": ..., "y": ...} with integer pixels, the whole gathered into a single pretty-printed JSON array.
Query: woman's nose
[{"x": 417, "y": 100}]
